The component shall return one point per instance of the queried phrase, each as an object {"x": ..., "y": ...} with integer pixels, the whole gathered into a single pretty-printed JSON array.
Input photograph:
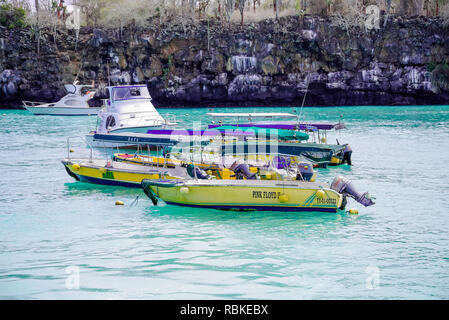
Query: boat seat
[{"x": 196, "y": 172}]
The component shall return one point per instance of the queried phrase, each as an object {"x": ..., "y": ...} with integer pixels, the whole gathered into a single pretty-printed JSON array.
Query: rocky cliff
[{"x": 265, "y": 63}]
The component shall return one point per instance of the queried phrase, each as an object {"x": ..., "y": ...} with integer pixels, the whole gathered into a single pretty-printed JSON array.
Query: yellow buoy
[
  {"x": 353, "y": 211},
  {"x": 119, "y": 203},
  {"x": 335, "y": 160},
  {"x": 323, "y": 140},
  {"x": 71, "y": 150},
  {"x": 184, "y": 190},
  {"x": 283, "y": 198},
  {"x": 320, "y": 194},
  {"x": 76, "y": 166},
  {"x": 103, "y": 170}
]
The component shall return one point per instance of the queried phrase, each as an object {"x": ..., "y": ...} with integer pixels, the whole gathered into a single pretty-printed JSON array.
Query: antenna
[
  {"x": 109, "y": 78},
  {"x": 303, "y": 100}
]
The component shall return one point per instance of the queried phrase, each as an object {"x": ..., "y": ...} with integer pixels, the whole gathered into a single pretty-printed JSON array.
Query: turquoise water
[{"x": 54, "y": 230}]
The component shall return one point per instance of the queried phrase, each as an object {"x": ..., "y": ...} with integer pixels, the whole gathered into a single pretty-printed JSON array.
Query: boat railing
[
  {"x": 201, "y": 154},
  {"x": 32, "y": 103},
  {"x": 146, "y": 120},
  {"x": 170, "y": 119},
  {"x": 69, "y": 150}
]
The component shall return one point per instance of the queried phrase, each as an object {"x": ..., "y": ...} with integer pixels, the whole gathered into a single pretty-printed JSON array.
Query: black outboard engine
[
  {"x": 196, "y": 172},
  {"x": 305, "y": 171},
  {"x": 242, "y": 170},
  {"x": 345, "y": 187}
]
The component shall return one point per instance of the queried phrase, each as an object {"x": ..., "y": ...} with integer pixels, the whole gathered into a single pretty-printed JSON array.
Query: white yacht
[
  {"x": 126, "y": 109},
  {"x": 75, "y": 103}
]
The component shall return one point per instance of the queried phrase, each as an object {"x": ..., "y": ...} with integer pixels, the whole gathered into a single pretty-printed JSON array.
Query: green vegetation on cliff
[{"x": 12, "y": 17}]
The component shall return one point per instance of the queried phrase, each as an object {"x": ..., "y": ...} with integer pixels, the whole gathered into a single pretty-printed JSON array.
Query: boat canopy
[
  {"x": 287, "y": 126},
  {"x": 254, "y": 115},
  {"x": 281, "y": 134},
  {"x": 181, "y": 132}
]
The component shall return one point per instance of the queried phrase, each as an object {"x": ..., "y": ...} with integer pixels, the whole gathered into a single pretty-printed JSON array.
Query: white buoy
[{"x": 184, "y": 190}]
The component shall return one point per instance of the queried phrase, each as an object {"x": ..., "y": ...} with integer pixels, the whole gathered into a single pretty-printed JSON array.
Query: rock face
[{"x": 267, "y": 63}]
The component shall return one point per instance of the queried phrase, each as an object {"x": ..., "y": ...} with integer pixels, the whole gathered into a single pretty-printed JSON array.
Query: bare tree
[
  {"x": 318, "y": 7},
  {"x": 410, "y": 7},
  {"x": 202, "y": 5},
  {"x": 277, "y": 4},
  {"x": 241, "y": 6},
  {"x": 388, "y": 9},
  {"x": 434, "y": 6},
  {"x": 229, "y": 8},
  {"x": 191, "y": 8},
  {"x": 38, "y": 32}
]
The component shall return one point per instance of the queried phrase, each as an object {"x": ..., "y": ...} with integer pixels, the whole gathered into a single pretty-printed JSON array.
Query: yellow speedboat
[
  {"x": 116, "y": 173},
  {"x": 126, "y": 174},
  {"x": 255, "y": 195},
  {"x": 246, "y": 195}
]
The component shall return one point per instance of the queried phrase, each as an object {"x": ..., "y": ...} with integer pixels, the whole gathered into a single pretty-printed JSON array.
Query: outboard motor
[
  {"x": 305, "y": 171},
  {"x": 345, "y": 187},
  {"x": 196, "y": 172},
  {"x": 242, "y": 170},
  {"x": 347, "y": 154},
  {"x": 281, "y": 162}
]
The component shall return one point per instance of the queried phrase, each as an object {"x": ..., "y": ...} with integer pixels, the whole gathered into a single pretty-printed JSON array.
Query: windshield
[{"x": 127, "y": 93}]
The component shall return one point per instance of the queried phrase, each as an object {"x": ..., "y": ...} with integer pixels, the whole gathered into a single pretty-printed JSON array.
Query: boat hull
[
  {"x": 126, "y": 140},
  {"x": 127, "y": 174},
  {"x": 62, "y": 111},
  {"x": 143, "y": 129},
  {"x": 319, "y": 154},
  {"x": 238, "y": 195},
  {"x": 97, "y": 173}
]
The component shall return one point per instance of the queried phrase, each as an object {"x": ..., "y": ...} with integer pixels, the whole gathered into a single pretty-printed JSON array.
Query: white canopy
[{"x": 254, "y": 115}]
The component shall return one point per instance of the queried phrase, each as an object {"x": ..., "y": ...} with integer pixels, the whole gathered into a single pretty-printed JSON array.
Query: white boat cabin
[{"x": 129, "y": 109}]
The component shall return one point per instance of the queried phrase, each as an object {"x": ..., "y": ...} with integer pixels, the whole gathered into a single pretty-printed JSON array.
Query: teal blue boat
[
  {"x": 286, "y": 142},
  {"x": 267, "y": 133}
]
